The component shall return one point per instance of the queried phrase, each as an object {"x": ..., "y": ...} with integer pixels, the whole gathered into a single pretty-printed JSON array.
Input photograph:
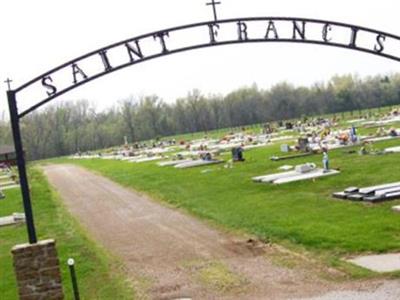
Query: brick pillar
[{"x": 37, "y": 270}]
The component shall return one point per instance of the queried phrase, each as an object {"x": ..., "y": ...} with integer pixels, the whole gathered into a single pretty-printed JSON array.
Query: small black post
[
  {"x": 23, "y": 180},
  {"x": 71, "y": 264}
]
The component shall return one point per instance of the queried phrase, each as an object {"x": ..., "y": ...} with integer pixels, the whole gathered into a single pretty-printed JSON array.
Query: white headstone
[{"x": 305, "y": 168}]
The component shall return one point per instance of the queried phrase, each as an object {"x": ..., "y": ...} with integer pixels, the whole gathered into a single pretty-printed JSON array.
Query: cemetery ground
[
  {"x": 316, "y": 230},
  {"x": 303, "y": 233},
  {"x": 299, "y": 213},
  {"x": 100, "y": 275}
]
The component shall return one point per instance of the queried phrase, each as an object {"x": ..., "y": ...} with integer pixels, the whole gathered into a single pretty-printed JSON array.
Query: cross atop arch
[
  {"x": 8, "y": 82},
  {"x": 214, "y": 5}
]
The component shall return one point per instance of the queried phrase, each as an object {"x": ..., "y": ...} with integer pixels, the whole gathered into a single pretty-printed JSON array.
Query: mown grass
[
  {"x": 302, "y": 213},
  {"x": 100, "y": 276}
]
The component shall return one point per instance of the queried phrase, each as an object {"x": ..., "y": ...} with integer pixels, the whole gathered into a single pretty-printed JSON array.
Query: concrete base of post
[{"x": 37, "y": 269}]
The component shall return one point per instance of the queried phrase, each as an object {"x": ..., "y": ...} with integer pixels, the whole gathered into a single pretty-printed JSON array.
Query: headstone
[
  {"x": 237, "y": 154},
  {"x": 378, "y": 263},
  {"x": 15, "y": 218},
  {"x": 396, "y": 208},
  {"x": 317, "y": 173},
  {"x": 289, "y": 125},
  {"x": 207, "y": 156},
  {"x": 305, "y": 168},
  {"x": 355, "y": 197},
  {"x": 285, "y": 148},
  {"x": 285, "y": 167},
  {"x": 351, "y": 189},
  {"x": 5, "y": 221},
  {"x": 6, "y": 183},
  {"x": 8, "y": 187},
  {"x": 303, "y": 144},
  {"x": 19, "y": 217},
  {"x": 340, "y": 195}
]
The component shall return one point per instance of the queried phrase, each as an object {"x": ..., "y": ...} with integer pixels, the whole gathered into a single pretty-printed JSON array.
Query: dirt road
[{"x": 170, "y": 255}]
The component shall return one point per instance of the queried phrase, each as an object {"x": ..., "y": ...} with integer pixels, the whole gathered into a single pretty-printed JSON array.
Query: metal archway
[{"x": 143, "y": 48}]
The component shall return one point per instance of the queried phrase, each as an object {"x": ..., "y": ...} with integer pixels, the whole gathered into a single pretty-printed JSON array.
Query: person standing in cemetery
[
  {"x": 325, "y": 159},
  {"x": 353, "y": 134}
]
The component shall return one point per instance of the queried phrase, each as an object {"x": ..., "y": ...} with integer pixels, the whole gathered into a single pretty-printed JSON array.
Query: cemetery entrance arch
[{"x": 111, "y": 58}]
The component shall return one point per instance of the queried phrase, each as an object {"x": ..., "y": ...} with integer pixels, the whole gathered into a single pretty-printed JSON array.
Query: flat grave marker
[
  {"x": 380, "y": 263},
  {"x": 15, "y": 218}
]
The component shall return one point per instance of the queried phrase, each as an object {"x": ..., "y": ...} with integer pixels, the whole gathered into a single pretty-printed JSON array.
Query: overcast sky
[{"x": 39, "y": 35}]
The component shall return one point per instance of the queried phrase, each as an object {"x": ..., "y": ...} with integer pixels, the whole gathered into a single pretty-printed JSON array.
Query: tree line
[{"x": 67, "y": 127}]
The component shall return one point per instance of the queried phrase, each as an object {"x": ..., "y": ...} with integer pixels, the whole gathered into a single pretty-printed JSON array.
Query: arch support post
[{"x": 23, "y": 179}]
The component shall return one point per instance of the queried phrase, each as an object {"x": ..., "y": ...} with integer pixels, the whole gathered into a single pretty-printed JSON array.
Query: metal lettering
[
  {"x": 75, "y": 71},
  {"x": 160, "y": 35},
  {"x": 380, "y": 38},
  {"x": 271, "y": 27},
  {"x": 132, "y": 51},
  {"x": 325, "y": 30},
  {"x": 300, "y": 31},
  {"x": 242, "y": 31},
  {"x": 353, "y": 38},
  {"x": 46, "y": 82},
  {"x": 104, "y": 59},
  {"x": 213, "y": 30}
]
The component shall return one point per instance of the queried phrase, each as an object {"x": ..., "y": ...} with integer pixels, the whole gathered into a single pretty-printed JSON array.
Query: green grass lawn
[
  {"x": 100, "y": 276},
  {"x": 302, "y": 213}
]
